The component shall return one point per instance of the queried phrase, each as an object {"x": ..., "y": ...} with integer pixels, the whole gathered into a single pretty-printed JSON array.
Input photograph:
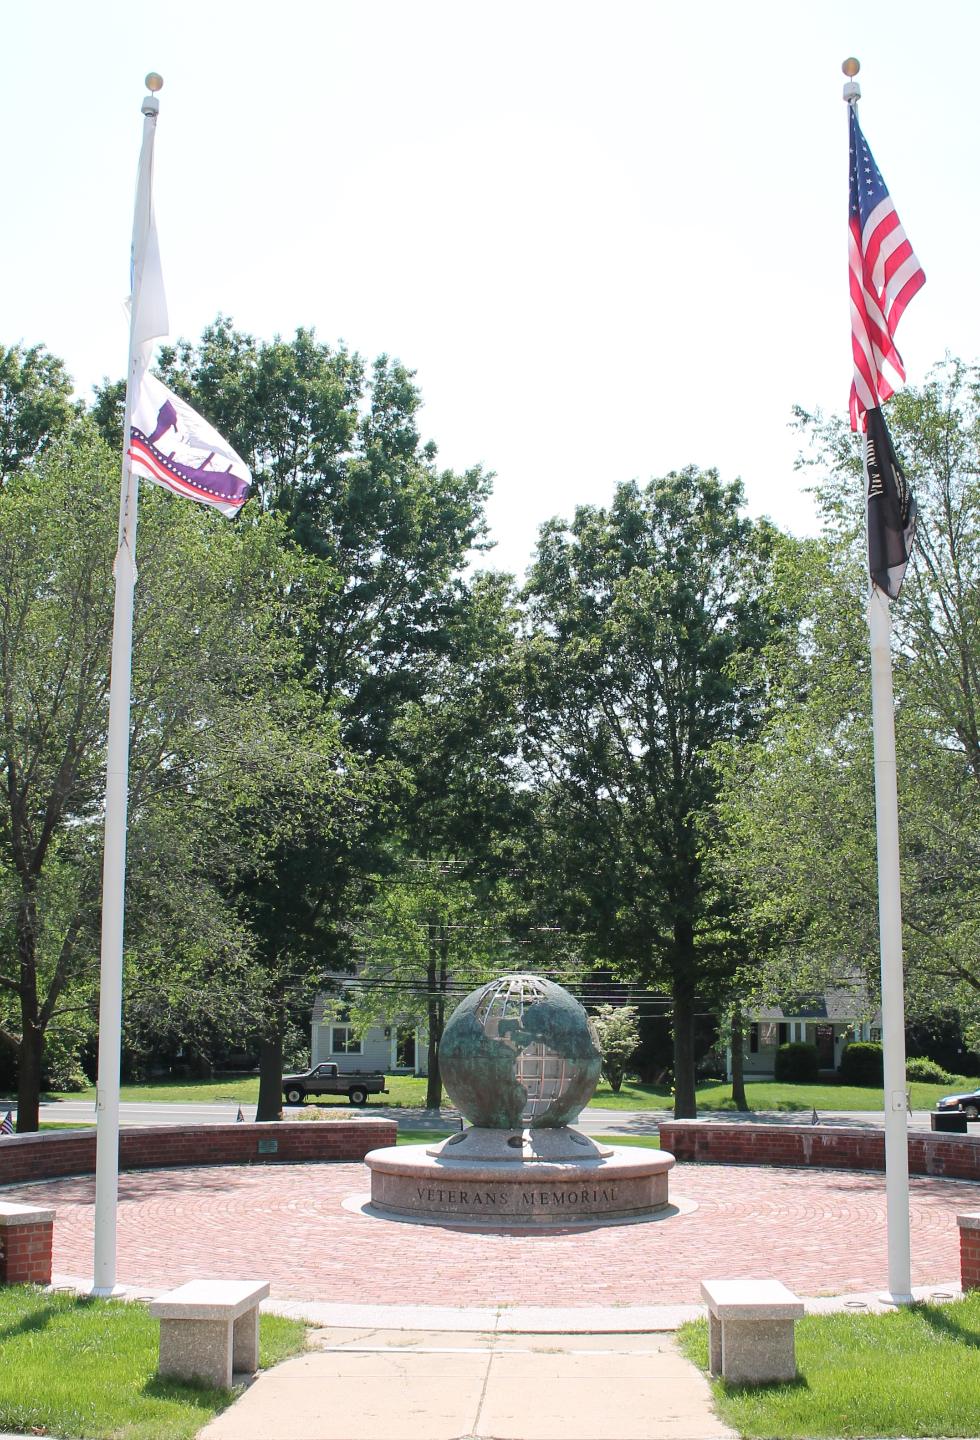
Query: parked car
[
  {"x": 327, "y": 1079},
  {"x": 968, "y": 1102}
]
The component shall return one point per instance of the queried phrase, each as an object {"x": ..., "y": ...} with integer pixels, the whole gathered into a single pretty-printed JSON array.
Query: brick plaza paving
[{"x": 822, "y": 1232}]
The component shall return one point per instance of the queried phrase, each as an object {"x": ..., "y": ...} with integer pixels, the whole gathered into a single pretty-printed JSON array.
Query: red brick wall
[
  {"x": 956, "y": 1157},
  {"x": 146, "y": 1147},
  {"x": 969, "y": 1251},
  {"x": 25, "y": 1253}
]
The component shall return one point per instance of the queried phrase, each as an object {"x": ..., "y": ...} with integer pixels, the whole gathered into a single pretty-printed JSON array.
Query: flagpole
[
  {"x": 889, "y": 911},
  {"x": 117, "y": 801},
  {"x": 890, "y": 931}
]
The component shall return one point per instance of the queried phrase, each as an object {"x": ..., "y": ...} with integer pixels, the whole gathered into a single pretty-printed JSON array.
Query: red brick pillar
[
  {"x": 26, "y": 1233},
  {"x": 969, "y": 1250}
]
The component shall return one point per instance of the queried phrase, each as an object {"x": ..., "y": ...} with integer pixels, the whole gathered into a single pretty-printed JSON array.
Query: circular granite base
[{"x": 483, "y": 1180}]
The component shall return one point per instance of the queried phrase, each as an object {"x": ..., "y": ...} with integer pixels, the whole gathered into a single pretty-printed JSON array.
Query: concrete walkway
[{"x": 430, "y": 1385}]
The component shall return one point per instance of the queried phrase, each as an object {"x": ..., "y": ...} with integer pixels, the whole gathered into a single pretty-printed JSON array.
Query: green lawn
[
  {"x": 767, "y": 1095},
  {"x": 913, "y": 1372},
  {"x": 240, "y": 1090},
  {"x": 409, "y": 1091},
  {"x": 78, "y": 1367}
]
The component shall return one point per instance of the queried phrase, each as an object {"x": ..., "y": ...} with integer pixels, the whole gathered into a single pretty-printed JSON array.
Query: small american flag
[
  {"x": 884, "y": 276},
  {"x": 7, "y": 1123}
]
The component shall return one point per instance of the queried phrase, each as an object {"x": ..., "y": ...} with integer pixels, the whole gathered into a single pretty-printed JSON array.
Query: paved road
[{"x": 594, "y": 1121}]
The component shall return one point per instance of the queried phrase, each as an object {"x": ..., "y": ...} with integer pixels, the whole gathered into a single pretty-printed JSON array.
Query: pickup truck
[{"x": 326, "y": 1079}]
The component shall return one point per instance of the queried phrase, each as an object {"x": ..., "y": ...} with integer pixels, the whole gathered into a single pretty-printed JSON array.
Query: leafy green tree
[
  {"x": 337, "y": 454},
  {"x": 211, "y": 663},
  {"x": 429, "y": 938},
  {"x": 799, "y": 803},
  {"x": 642, "y": 620},
  {"x": 35, "y": 405},
  {"x": 447, "y": 914},
  {"x": 619, "y": 1036}
]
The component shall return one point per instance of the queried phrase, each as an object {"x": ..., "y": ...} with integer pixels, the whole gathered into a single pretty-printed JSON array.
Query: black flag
[{"x": 891, "y": 509}]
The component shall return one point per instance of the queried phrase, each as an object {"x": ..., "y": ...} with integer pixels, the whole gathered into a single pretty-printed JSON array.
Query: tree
[
  {"x": 35, "y": 405},
  {"x": 430, "y": 937},
  {"x": 210, "y": 663},
  {"x": 799, "y": 802},
  {"x": 642, "y": 621},
  {"x": 337, "y": 454},
  {"x": 447, "y": 915},
  {"x": 619, "y": 1035}
]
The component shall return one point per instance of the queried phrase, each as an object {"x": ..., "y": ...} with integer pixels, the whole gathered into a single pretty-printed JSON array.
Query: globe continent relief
[{"x": 519, "y": 1051}]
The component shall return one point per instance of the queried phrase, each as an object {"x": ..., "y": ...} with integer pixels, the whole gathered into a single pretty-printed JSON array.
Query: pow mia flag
[{"x": 891, "y": 509}]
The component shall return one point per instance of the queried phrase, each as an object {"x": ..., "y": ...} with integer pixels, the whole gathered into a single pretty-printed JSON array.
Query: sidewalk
[{"x": 433, "y": 1385}]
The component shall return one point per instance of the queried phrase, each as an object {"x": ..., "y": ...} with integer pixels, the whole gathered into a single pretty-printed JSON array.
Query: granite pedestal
[{"x": 528, "y": 1177}]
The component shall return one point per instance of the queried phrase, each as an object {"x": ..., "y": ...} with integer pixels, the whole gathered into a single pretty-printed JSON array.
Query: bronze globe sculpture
[{"x": 519, "y": 1051}]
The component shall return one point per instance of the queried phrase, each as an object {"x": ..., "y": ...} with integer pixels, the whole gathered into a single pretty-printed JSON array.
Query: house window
[
  {"x": 768, "y": 1035},
  {"x": 343, "y": 1041},
  {"x": 783, "y": 1034},
  {"x": 753, "y": 1039}
]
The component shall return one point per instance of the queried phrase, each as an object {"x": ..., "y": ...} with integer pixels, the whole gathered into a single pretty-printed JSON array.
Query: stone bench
[
  {"x": 209, "y": 1329},
  {"x": 26, "y": 1235},
  {"x": 751, "y": 1330}
]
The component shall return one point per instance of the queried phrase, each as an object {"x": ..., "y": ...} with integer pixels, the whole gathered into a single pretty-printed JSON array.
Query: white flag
[
  {"x": 173, "y": 446},
  {"x": 147, "y": 295}
]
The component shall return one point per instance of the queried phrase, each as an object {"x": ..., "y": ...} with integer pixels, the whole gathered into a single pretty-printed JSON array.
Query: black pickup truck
[{"x": 326, "y": 1079}]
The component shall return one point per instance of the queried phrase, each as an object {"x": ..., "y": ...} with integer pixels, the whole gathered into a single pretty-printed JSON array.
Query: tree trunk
[
  {"x": 685, "y": 1096},
  {"x": 433, "y": 1088},
  {"x": 738, "y": 1060},
  {"x": 29, "y": 1078},
  {"x": 270, "y": 1077}
]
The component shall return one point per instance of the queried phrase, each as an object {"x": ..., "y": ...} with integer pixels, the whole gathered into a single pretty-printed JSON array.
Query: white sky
[{"x": 610, "y": 239}]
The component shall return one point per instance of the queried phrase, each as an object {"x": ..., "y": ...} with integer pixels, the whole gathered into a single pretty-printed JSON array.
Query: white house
[
  {"x": 397, "y": 1049},
  {"x": 829, "y": 1021}
]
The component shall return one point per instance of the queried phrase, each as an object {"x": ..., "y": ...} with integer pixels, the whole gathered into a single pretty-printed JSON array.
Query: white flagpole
[
  {"x": 889, "y": 913},
  {"x": 117, "y": 768},
  {"x": 890, "y": 929}
]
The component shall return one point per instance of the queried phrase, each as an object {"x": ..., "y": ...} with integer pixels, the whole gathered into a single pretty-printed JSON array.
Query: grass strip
[
  {"x": 74, "y": 1366},
  {"x": 912, "y": 1372},
  {"x": 646, "y": 1142}
]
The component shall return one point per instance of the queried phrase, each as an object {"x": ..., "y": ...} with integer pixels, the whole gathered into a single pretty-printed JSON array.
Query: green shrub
[
  {"x": 861, "y": 1064},
  {"x": 797, "y": 1063},
  {"x": 920, "y": 1067}
]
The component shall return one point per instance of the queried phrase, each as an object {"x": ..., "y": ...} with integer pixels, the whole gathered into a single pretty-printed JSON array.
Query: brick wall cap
[
  {"x": 46, "y": 1137},
  {"x": 762, "y": 1127},
  {"x": 969, "y": 1221},
  {"x": 23, "y": 1215},
  {"x": 259, "y": 1127}
]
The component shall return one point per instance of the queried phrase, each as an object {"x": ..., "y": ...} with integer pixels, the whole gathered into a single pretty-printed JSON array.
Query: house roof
[{"x": 840, "y": 1006}]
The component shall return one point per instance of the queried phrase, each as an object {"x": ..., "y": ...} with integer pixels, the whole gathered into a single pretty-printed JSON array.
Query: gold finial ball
[
  {"x": 850, "y": 67},
  {"x": 154, "y": 81}
]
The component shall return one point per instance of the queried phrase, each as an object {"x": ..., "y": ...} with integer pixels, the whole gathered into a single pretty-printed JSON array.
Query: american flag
[
  {"x": 7, "y": 1123},
  {"x": 884, "y": 276}
]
